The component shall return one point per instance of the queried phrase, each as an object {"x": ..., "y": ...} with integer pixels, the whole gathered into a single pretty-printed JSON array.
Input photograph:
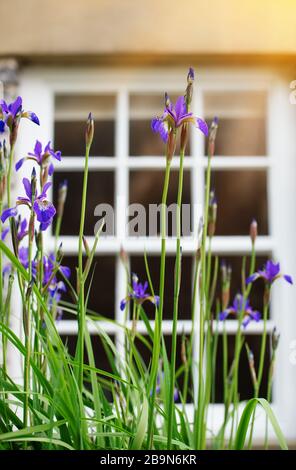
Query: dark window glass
[
  {"x": 138, "y": 267},
  {"x": 102, "y": 288},
  {"x": 240, "y": 137},
  {"x": 242, "y": 122},
  {"x": 71, "y": 113},
  {"x": 100, "y": 191},
  {"x": 241, "y": 197},
  {"x": 146, "y": 188},
  {"x": 69, "y": 138}
]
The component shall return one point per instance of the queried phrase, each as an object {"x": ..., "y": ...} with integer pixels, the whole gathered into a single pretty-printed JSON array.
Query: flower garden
[{"x": 66, "y": 401}]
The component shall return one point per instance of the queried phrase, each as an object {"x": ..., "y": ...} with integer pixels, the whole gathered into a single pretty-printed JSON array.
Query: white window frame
[{"x": 38, "y": 87}]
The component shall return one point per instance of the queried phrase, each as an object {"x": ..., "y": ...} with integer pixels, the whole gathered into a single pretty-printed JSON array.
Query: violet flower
[
  {"x": 174, "y": 117},
  {"x": 49, "y": 264},
  {"x": 139, "y": 294},
  {"x": 55, "y": 287},
  {"x": 4, "y": 233},
  {"x": 23, "y": 256},
  {"x": 270, "y": 273},
  {"x": 41, "y": 157},
  {"x": 43, "y": 208},
  {"x": 159, "y": 379},
  {"x": 22, "y": 229},
  {"x": 241, "y": 305},
  {"x": 10, "y": 114}
]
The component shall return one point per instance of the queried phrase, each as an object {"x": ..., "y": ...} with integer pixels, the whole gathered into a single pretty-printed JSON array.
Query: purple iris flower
[
  {"x": 241, "y": 305},
  {"x": 11, "y": 113},
  {"x": 269, "y": 273},
  {"x": 139, "y": 293},
  {"x": 55, "y": 288},
  {"x": 23, "y": 256},
  {"x": 159, "y": 379},
  {"x": 22, "y": 229},
  {"x": 4, "y": 233},
  {"x": 49, "y": 264},
  {"x": 42, "y": 207},
  {"x": 174, "y": 116},
  {"x": 41, "y": 157}
]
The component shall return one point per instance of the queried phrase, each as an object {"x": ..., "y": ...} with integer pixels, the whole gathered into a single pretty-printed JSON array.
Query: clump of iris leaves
[{"x": 66, "y": 401}]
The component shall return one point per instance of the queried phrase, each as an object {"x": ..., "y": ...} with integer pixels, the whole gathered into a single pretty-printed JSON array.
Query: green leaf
[
  {"x": 30, "y": 430},
  {"x": 245, "y": 420},
  {"x": 141, "y": 428}
]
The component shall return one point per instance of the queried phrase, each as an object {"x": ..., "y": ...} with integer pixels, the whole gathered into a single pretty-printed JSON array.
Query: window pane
[
  {"x": 241, "y": 197},
  {"x": 138, "y": 267},
  {"x": 101, "y": 359},
  {"x": 242, "y": 122},
  {"x": 71, "y": 113},
  {"x": 100, "y": 191},
  {"x": 102, "y": 291},
  {"x": 142, "y": 140},
  {"x": 146, "y": 188},
  {"x": 245, "y": 387}
]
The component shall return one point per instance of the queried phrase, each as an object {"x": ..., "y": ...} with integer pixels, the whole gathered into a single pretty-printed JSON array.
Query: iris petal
[
  {"x": 27, "y": 186},
  {"x": 19, "y": 164},
  {"x": 288, "y": 278},
  {"x": 7, "y": 213}
]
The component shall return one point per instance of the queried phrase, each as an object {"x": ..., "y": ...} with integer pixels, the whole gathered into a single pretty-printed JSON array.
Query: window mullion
[{"x": 121, "y": 201}]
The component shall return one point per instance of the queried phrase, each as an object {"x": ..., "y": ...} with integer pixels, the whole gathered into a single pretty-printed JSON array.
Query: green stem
[
  {"x": 225, "y": 383},
  {"x": 57, "y": 233},
  {"x": 269, "y": 388},
  {"x": 262, "y": 351},
  {"x": 233, "y": 395},
  {"x": 260, "y": 368},
  {"x": 158, "y": 325},
  {"x": 27, "y": 321},
  {"x": 234, "y": 388},
  {"x": 132, "y": 335},
  {"x": 200, "y": 410},
  {"x": 190, "y": 347},
  {"x": 8, "y": 192},
  {"x": 2, "y": 317},
  {"x": 10, "y": 165},
  {"x": 81, "y": 309},
  {"x": 176, "y": 301}
]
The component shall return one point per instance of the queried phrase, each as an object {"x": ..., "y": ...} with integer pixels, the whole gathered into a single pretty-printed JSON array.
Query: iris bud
[
  {"x": 171, "y": 145},
  {"x": 226, "y": 272},
  {"x": 33, "y": 181},
  {"x": 183, "y": 350},
  {"x": 62, "y": 196},
  {"x": 212, "y": 137},
  {"x": 189, "y": 89},
  {"x": 253, "y": 231},
  {"x": 275, "y": 337},
  {"x": 123, "y": 256},
  {"x": 89, "y": 132},
  {"x": 212, "y": 214},
  {"x": 86, "y": 246}
]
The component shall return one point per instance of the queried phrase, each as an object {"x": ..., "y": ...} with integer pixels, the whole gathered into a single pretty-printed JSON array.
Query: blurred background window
[{"x": 127, "y": 160}]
